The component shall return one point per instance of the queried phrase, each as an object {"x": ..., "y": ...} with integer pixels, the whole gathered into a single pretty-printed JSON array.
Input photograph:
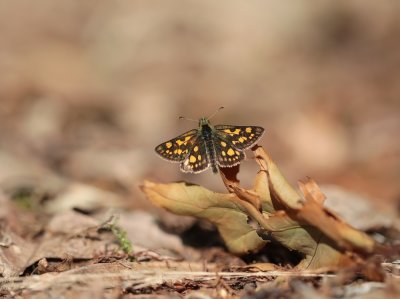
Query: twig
[{"x": 138, "y": 278}]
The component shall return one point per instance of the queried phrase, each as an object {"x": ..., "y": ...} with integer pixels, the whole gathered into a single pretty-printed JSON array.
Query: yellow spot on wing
[
  {"x": 196, "y": 148},
  {"x": 237, "y": 153},
  {"x": 168, "y": 144},
  {"x": 179, "y": 142},
  {"x": 241, "y": 139},
  {"x": 178, "y": 151},
  {"x": 248, "y": 130},
  {"x": 192, "y": 159},
  {"x": 223, "y": 144},
  {"x": 223, "y": 153},
  {"x": 230, "y": 152},
  {"x": 199, "y": 157},
  {"x": 236, "y": 132}
]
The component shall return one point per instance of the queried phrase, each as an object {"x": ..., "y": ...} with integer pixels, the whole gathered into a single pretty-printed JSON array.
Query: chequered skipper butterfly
[{"x": 210, "y": 146}]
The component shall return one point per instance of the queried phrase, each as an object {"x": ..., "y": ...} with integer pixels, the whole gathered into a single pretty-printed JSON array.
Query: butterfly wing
[
  {"x": 227, "y": 154},
  {"x": 197, "y": 160},
  {"x": 177, "y": 149},
  {"x": 241, "y": 137}
]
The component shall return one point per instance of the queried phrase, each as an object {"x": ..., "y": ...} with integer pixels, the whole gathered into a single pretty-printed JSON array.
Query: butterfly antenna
[
  {"x": 218, "y": 110},
  {"x": 189, "y": 119}
]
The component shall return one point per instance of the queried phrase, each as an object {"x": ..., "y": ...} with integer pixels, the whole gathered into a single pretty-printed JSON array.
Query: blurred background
[{"x": 89, "y": 88}]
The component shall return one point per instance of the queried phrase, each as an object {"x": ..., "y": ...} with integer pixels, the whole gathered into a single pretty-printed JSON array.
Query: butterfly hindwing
[
  {"x": 197, "y": 160},
  {"x": 241, "y": 137},
  {"x": 227, "y": 154},
  {"x": 177, "y": 149}
]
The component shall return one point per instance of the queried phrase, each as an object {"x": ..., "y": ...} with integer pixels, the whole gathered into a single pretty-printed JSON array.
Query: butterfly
[{"x": 210, "y": 146}]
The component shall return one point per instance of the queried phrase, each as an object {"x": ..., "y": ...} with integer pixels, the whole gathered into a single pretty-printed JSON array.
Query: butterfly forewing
[
  {"x": 241, "y": 137},
  {"x": 197, "y": 160},
  {"x": 177, "y": 149}
]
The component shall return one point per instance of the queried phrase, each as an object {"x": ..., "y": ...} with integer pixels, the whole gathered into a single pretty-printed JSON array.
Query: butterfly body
[
  {"x": 206, "y": 133},
  {"x": 210, "y": 146}
]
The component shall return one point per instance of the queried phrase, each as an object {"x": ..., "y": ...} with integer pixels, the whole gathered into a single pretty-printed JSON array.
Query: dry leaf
[
  {"x": 359, "y": 211},
  {"x": 220, "y": 209},
  {"x": 84, "y": 197},
  {"x": 14, "y": 253},
  {"x": 142, "y": 230},
  {"x": 299, "y": 223},
  {"x": 311, "y": 210},
  {"x": 74, "y": 235}
]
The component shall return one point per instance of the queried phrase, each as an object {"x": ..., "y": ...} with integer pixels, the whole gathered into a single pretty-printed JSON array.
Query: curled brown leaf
[{"x": 299, "y": 222}]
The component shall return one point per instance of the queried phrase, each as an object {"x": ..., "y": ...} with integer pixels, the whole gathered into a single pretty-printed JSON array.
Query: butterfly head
[{"x": 204, "y": 121}]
